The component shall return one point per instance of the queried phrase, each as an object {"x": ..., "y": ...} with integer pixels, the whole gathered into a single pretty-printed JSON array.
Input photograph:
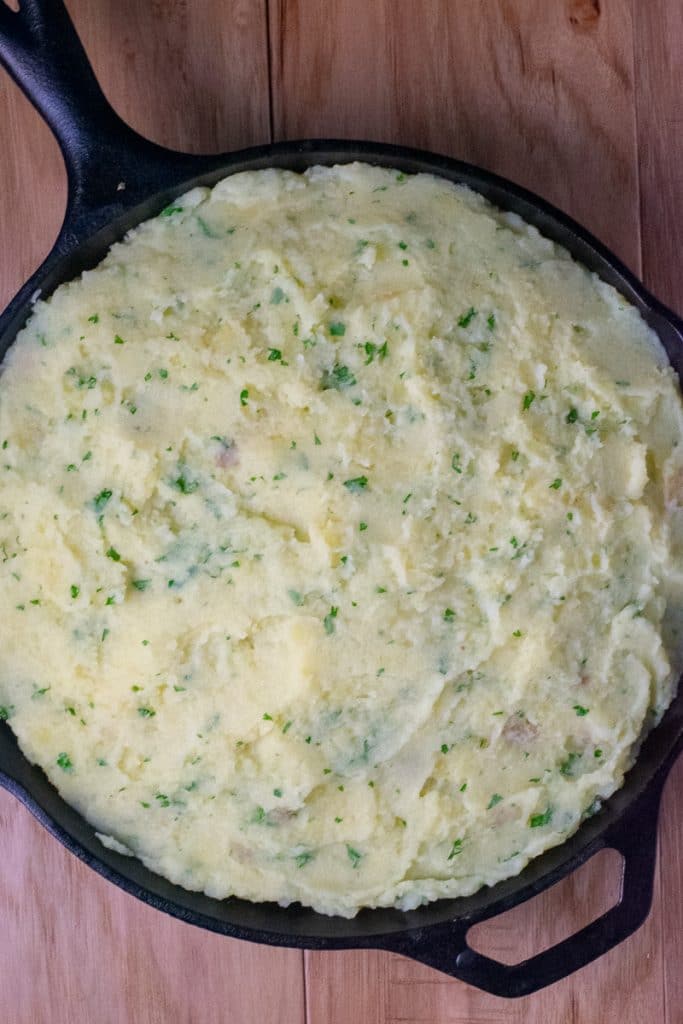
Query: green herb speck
[
  {"x": 353, "y": 855},
  {"x": 456, "y": 848},
  {"x": 329, "y": 622},
  {"x": 356, "y": 484},
  {"x": 337, "y": 378},
  {"x": 466, "y": 319},
  {"x": 101, "y": 499}
]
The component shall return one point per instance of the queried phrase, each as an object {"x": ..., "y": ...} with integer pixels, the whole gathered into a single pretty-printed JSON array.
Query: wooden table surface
[{"x": 580, "y": 100}]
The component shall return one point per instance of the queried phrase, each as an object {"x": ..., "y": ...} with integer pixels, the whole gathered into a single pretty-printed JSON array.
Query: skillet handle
[
  {"x": 635, "y": 837},
  {"x": 110, "y": 167}
]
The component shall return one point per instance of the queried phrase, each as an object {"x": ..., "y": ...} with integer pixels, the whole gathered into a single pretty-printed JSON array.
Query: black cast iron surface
[{"x": 117, "y": 179}]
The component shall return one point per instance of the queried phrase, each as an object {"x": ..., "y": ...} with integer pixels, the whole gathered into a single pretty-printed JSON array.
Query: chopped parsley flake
[
  {"x": 572, "y": 416},
  {"x": 567, "y": 766},
  {"x": 118, "y": 340},
  {"x": 538, "y": 820},
  {"x": 456, "y": 848},
  {"x": 337, "y": 378},
  {"x": 146, "y": 712},
  {"x": 466, "y": 319},
  {"x": 491, "y": 321},
  {"x": 448, "y": 615},
  {"x": 184, "y": 485},
  {"x": 274, "y": 355},
  {"x": 337, "y": 329},
  {"x": 354, "y": 856},
  {"x": 101, "y": 499},
  {"x": 141, "y": 584},
  {"x": 75, "y": 591},
  {"x": 556, "y": 484},
  {"x": 356, "y": 484},
  {"x": 65, "y": 762},
  {"x": 528, "y": 399},
  {"x": 372, "y": 350},
  {"x": 114, "y": 555},
  {"x": 329, "y": 622},
  {"x": 304, "y": 858},
  {"x": 277, "y": 297},
  {"x": 580, "y": 711},
  {"x": 244, "y": 396},
  {"x": 495, "y": 799}
]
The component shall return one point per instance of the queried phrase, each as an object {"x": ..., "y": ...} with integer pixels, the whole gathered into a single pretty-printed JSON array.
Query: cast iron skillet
[{"x": 117, "y": 179}]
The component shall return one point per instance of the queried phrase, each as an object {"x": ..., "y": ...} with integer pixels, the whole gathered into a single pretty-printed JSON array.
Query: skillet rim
[{"x": 63, "y": 263}]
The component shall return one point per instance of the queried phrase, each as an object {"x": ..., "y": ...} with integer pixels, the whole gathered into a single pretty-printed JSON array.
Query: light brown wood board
[{"x": 580, "y": 100}]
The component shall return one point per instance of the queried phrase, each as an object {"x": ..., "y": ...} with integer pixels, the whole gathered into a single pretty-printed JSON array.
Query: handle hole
[{"x": 553, "y": 915}]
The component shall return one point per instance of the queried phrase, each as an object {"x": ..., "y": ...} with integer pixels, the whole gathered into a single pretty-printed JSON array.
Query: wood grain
[
  {"x": 75, "y": 949},
  {"x": 580, "y": 100},
  {"x": 659, "y": 109},
  {"x": 534, "y": 90}
]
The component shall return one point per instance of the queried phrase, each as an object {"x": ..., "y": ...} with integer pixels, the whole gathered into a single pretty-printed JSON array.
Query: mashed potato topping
[{"x": 337, "y": 540}]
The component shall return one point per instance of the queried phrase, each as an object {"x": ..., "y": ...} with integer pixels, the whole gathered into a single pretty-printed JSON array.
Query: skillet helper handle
[
  {"x": 110, "y": 167},
  {"x": 635, "y": 837}
]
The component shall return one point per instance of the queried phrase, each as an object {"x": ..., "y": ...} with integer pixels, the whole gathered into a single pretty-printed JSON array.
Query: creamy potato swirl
[{"x": 340, "y": 542}]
